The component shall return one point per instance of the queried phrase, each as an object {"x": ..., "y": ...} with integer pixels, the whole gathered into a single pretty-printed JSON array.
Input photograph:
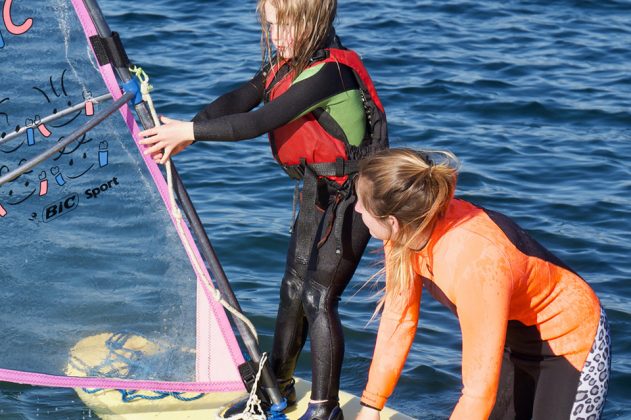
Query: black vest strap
[
  {"x": 339, "y": 168},
  {"x": 309, "y": 173}
]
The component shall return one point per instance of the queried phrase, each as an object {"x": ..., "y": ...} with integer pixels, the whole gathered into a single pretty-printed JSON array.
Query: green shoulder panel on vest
[{"x": 346, "y": 108}]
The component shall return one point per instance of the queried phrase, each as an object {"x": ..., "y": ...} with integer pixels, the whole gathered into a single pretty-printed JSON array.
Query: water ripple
[{"x": 533, "y": 96}]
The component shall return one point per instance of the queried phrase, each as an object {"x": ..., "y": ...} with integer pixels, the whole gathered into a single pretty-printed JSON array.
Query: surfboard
[{"x": 93, "y": 353}]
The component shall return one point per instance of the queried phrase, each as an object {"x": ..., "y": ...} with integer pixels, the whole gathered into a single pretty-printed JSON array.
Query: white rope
[
  {"x": 253, "y": 410},
  {"x": 253, "y": 405},
  {"x": 145, "y": 88}
]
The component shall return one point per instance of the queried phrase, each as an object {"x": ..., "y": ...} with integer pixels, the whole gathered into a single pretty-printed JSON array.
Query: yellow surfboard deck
[{"x": 109, "y": 404}]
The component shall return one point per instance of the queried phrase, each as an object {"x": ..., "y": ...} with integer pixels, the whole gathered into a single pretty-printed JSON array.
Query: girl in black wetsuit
[{"x": 323, "y": 115}]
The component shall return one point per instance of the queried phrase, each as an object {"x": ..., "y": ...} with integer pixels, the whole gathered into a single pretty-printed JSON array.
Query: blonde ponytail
[{"x": 415, "y": 188}]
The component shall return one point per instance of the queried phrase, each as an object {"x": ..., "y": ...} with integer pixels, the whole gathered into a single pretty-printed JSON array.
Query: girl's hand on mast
[{"x": 168, "y": 139}]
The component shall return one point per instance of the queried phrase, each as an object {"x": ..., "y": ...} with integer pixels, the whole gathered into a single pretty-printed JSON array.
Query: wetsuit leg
[
  {"x": 594, "y": 380},
  {"x": 561, "y": 392},
  {"x": 535, "y": 387},
  {"x": 310, "y": 294},
  {"x": 551, "y": 388},
  {"x": 290, "y": 332},
  {"x": 328, "y": 275}
]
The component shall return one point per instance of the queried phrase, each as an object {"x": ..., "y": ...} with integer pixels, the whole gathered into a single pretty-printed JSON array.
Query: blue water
[{"x": 531, "y": 95}]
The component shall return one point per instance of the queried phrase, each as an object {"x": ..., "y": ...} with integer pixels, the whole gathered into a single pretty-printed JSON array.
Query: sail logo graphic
[
  {"x": 9, "y": 23},
  {"x": 67, "y": 108},
  {"x": 60, "y": 207}
]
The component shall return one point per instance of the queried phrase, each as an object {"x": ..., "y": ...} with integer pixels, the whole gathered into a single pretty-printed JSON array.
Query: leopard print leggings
[{"x": 594, "y": 380}]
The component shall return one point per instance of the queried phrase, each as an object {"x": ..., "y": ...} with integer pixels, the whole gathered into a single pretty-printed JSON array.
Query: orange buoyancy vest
[{"x": 305, "y": 140}]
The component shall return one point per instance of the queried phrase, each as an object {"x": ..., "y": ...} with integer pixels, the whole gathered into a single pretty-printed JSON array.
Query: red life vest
[{"x": 304, "y": 139}]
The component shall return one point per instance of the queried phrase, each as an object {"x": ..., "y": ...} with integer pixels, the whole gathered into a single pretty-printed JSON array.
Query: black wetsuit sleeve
[
  {"x": 243, "y": 99},
  {"x": 330, "y": 80}
]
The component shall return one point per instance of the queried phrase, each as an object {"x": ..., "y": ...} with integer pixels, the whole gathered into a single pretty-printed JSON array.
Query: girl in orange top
[{"x": 535, "y": 341}]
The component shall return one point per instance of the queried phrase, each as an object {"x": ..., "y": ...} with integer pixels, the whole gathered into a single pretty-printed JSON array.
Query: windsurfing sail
[{"x": 91, "y": 249}]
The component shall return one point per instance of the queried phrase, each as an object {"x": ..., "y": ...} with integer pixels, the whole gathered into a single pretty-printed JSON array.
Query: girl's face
[
  {"x": 380, "y": 227},
  {"x": 281, "y": 35}
]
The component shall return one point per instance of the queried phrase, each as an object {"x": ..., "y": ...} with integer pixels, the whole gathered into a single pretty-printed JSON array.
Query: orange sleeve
[
  {"x": 397, "y": 329},
  {"x": 482, "y": 280}
]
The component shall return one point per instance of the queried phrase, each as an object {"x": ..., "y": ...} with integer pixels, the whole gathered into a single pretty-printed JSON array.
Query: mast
[{"x": 250, "y": 342}]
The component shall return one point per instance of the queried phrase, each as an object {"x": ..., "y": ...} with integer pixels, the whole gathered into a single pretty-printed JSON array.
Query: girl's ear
[{"x": 394, "y": 225}]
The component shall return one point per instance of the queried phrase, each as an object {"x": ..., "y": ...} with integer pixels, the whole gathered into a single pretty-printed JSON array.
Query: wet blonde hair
[
  {"x": 415, "y": 188},
  {"x": 311, "y": 20}
]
